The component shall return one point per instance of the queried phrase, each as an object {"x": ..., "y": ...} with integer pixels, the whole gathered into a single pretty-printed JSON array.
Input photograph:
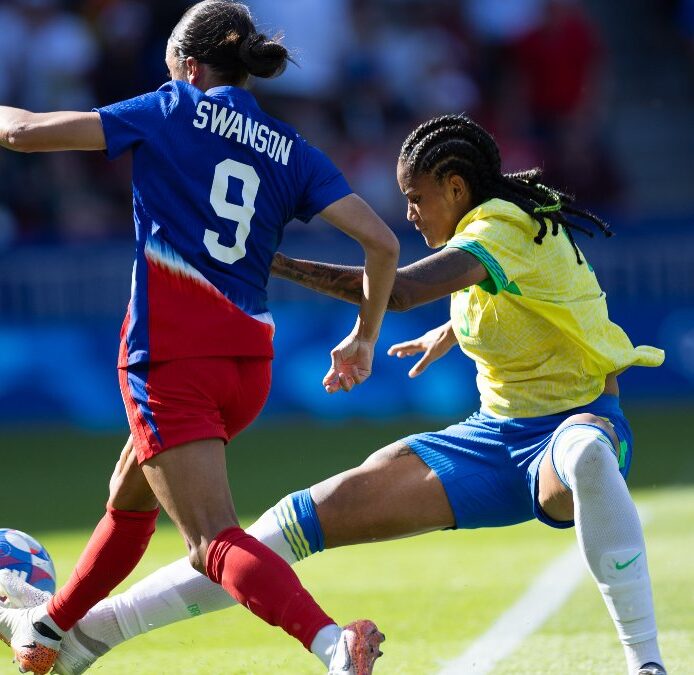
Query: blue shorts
[{"x": 489, "y": 466}]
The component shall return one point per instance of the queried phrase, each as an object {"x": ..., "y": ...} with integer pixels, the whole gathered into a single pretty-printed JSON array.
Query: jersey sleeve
[
  {"x": 324, "y": 184},
  {"x": 129, "y": 122},
  {"x": 503, "y": 248}
]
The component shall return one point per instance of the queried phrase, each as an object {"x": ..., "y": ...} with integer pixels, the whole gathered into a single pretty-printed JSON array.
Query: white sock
[
  {"x": 323, "y": 644},
  {"x": 100, "y": 624},
  {"x": 171, "y": 594},
  {"x": 610, "y": 537}
]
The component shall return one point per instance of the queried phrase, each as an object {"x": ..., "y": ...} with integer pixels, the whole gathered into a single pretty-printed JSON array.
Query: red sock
[
  {"x": 115, "y": 548},
  {"x": 259, "y": 579}
]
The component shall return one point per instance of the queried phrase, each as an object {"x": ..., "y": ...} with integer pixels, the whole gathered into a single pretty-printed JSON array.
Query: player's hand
[
  {"x": 350, "y": 364},
  {"x": 434, "y": 343}
]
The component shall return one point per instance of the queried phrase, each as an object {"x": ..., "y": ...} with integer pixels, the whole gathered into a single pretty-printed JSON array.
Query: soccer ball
[{"x": 24, "y": 556}]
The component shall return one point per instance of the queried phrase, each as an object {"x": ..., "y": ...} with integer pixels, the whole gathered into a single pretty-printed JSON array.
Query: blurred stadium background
[{"x": 600, "y": 94}]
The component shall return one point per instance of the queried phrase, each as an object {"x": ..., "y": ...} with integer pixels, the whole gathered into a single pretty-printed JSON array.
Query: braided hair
[{"x": 457, "y": 144}]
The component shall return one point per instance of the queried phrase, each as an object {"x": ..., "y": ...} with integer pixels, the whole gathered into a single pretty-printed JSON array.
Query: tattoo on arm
[
  {"x": 426, "y": 280},
  {"x": 339, "y": 281}
]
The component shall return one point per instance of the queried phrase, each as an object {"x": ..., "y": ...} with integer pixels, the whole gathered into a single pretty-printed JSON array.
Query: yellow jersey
[{"x": 537, "y": 327}]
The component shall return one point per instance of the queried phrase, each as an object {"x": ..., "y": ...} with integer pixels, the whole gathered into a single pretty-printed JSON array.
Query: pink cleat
[{"x": 357, "y": 649}]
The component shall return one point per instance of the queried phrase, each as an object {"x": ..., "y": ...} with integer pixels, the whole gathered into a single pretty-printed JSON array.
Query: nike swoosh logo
[{"x": 621, "y": 566}]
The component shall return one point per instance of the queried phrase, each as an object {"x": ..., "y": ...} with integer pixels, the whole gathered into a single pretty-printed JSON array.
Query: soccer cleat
[
  {"x": 357, "y": 649},
  {"x": 78, "y": 652},
  {"x": 17, "y": 593},
  {"x": 34, "y": 652},
  {"x": 651, "y": 669}
]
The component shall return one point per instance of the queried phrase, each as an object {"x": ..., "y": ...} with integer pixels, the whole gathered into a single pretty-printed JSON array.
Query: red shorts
[{"x": 174, "y": 402}]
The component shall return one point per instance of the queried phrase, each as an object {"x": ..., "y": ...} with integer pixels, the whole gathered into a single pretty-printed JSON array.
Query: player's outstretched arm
[
  {"x": 353, "y": 216},
  {"x": 426, "y": 280},
  {"x": 24, "y": 131},
  {"x": 351, "y": 360}
]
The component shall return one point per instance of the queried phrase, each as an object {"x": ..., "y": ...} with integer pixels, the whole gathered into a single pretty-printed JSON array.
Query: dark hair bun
[{"x": 263, "y": 57}]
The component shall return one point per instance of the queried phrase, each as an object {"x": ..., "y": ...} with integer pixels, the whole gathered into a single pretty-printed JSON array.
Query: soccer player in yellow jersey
[{"x": 549, "y": 441}]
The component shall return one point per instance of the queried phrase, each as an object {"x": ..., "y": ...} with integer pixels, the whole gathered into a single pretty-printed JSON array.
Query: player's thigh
[
  {"x": 555, "y": 499},
  {"x": 392, "y": 494},
  {"x": 190, "y": 482}
]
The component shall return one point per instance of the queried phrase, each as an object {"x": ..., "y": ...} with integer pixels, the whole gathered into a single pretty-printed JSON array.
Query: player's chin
[{"x": 431, "y": 242}]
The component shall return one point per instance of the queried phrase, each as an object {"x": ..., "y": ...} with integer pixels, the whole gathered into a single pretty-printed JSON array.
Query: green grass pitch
[{"x": 431, "y": 595}]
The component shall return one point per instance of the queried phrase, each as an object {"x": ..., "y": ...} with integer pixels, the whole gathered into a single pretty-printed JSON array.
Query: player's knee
[
  {"x": 584, "y": 453},
  {"x": 599, "y": 424}
]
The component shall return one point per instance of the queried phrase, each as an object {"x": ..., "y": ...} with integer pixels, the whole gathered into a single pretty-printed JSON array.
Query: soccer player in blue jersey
[
  {"x": 215, "y": 180},
  {"x": 550, "y": 440}
]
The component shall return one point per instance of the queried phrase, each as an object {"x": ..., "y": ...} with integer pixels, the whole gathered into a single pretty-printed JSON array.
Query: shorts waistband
[{"x": 605, "y": 405}]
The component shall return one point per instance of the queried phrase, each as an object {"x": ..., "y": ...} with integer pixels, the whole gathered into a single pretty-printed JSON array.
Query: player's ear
[
  {"x": 457, "y": 187},
  {"x": 193, "y": 70}
]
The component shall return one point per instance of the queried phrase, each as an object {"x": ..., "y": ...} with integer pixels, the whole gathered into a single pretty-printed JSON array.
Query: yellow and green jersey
[{"x": 537, "y": 327}]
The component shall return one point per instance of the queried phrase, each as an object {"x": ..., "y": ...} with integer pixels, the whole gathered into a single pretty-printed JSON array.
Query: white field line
[{"x": 550, "y": 590}]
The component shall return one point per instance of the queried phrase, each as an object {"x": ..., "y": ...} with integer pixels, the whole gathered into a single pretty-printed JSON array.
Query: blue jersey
[{"x": 215, "y": 180}]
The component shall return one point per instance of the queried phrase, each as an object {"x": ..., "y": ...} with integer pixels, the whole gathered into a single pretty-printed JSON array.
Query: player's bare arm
[
  {"x": 24, "y": 131},
  {"x": 343, "y": 282},
  {"x": 351, "y": 360},
  {"x": 426, "y": 280},
  {"x": 354, "y": 217}
]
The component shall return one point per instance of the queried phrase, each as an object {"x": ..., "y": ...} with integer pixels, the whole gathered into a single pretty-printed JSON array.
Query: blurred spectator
[
  {"x": 367, "y": 72},
  {"x": 560, "y": 63},
  {"x": 55, "y": 75},
  {"x": 502, "y": 22},
  {"x": 407, "y": 64},
  {"x": 580, "y": 164},
  {"x": 317, "y": 33},
  {"x": 124, "y": 28},
  {"x": 493, "y": 28}
]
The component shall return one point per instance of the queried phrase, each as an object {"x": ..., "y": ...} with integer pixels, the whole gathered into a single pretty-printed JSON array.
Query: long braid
[{"x": 457, "y": 144}]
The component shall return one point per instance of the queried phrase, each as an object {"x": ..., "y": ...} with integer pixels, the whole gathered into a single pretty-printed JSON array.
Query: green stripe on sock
[
  {"x": 286, "y": 530},
  {"x": 298, "y": 530},
  {"x": 291, "y": 526}
]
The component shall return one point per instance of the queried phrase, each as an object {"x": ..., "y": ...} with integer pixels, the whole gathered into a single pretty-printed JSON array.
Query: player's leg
[
  {"x": 115, "y": 548},
  {"x": 214, "y": 399},
  {"x": 250, "y": 572},
  {"x": 168, "y": 595},
  {"x": 580, "y": 479},
  {"x": 392, "y": 494}
]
